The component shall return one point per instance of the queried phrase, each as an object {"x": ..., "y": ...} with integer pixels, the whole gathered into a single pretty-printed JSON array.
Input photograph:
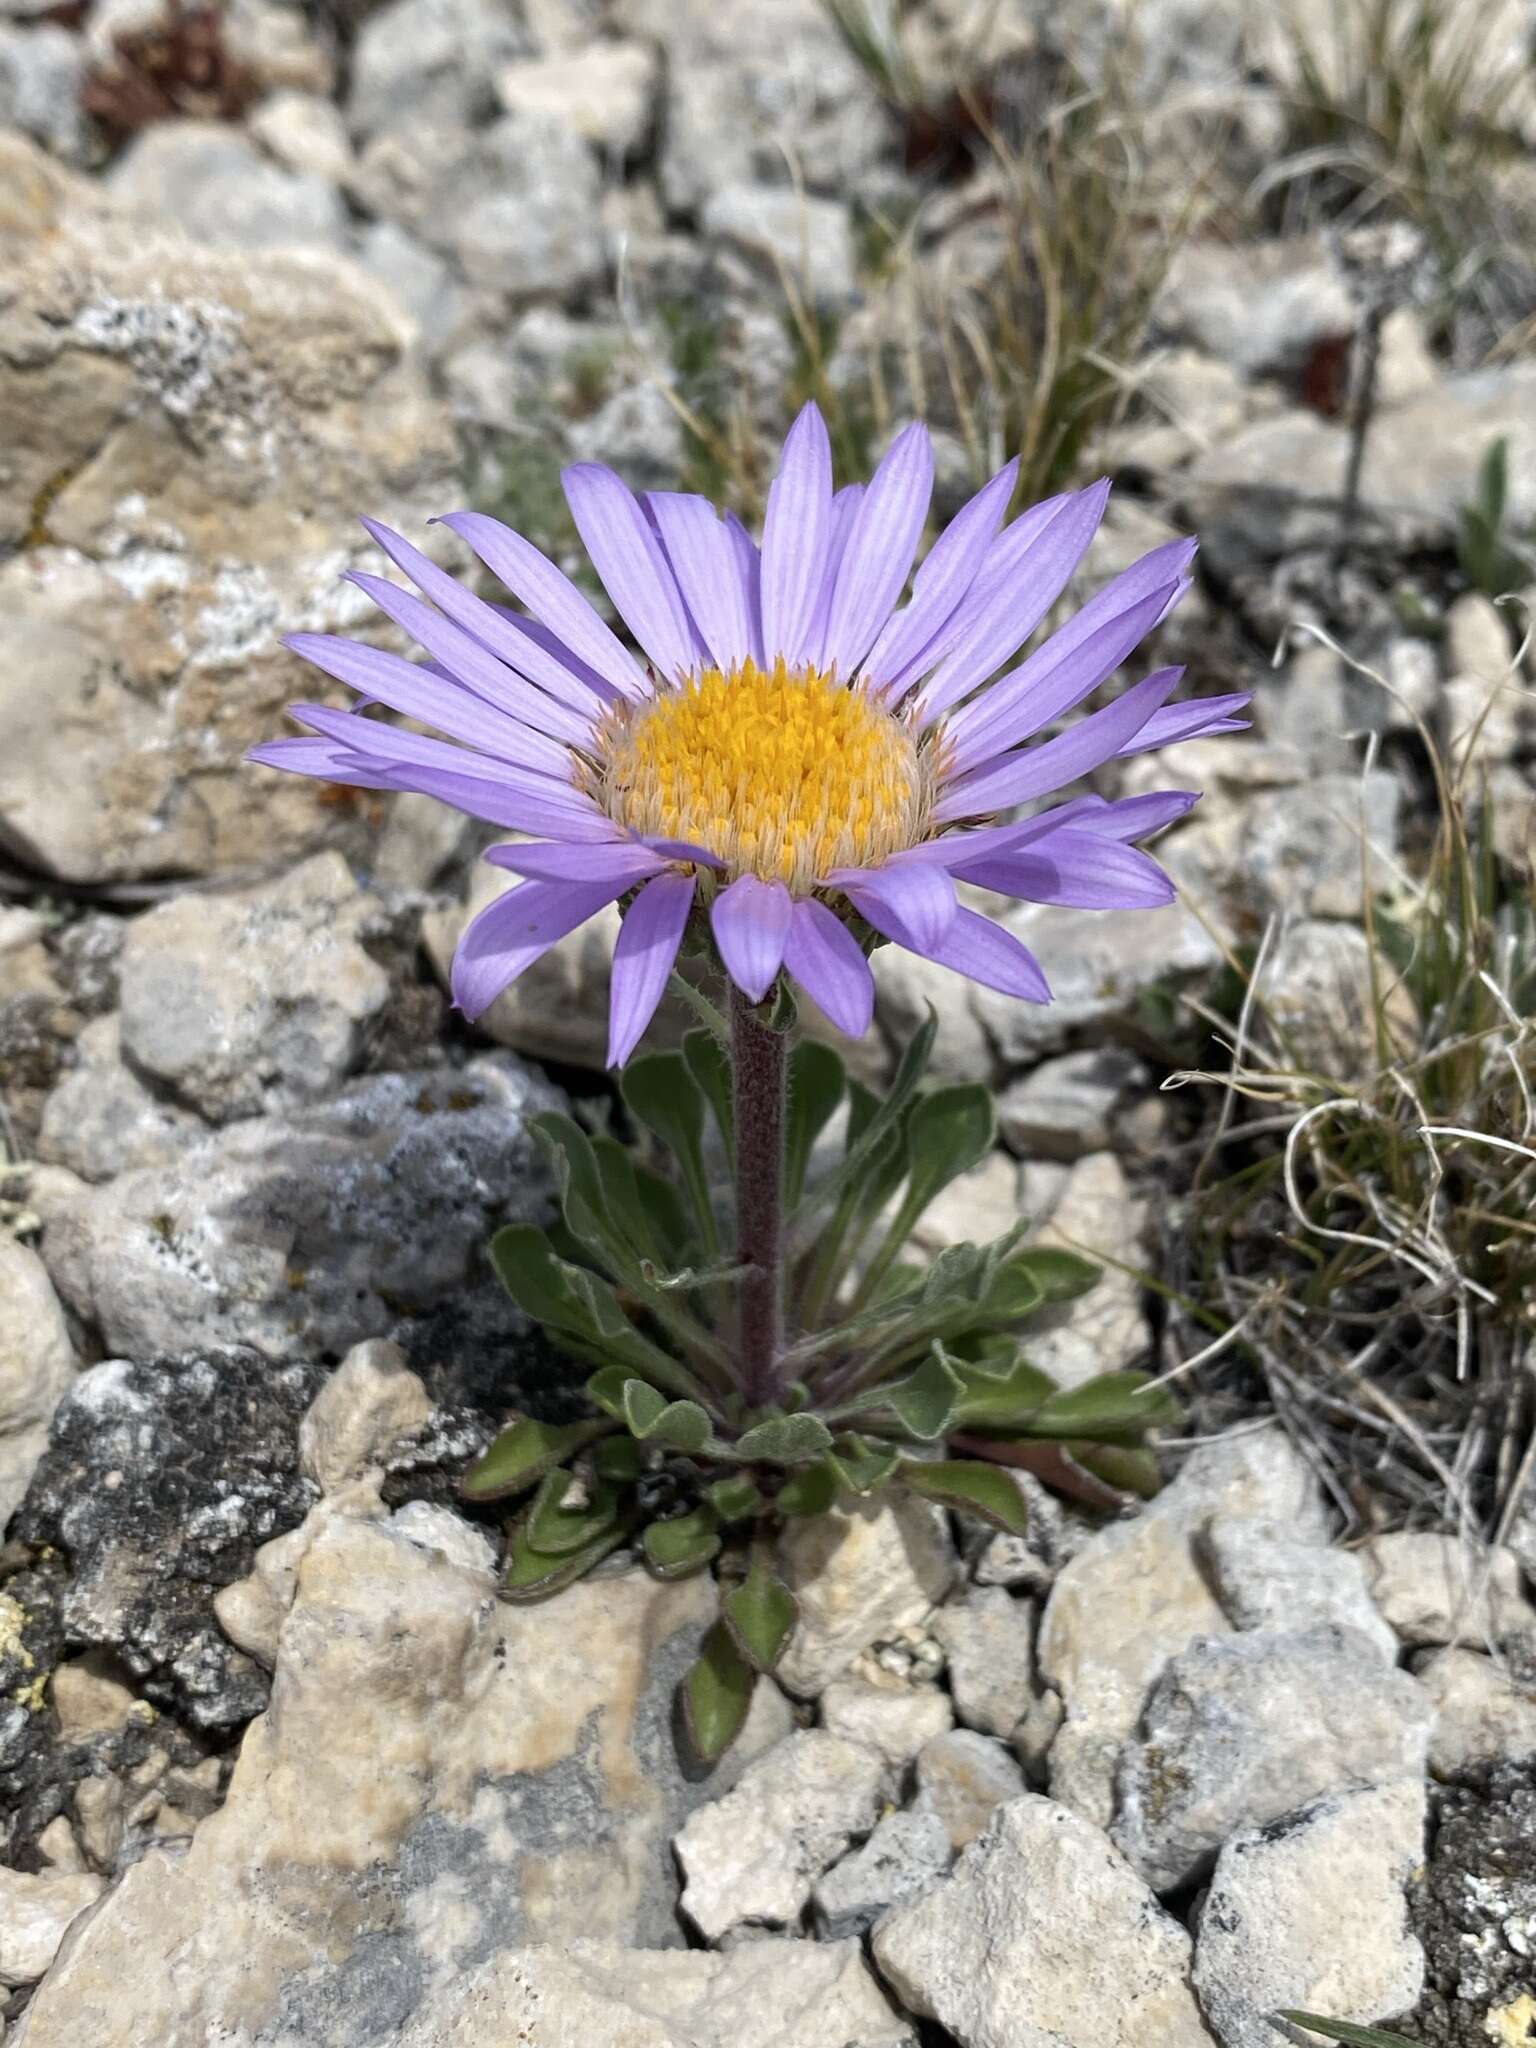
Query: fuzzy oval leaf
[
  {"x": 761, "y": 1614},
  {"x": 735, "y": 1498},
  {"x": 555, "y": 1529},
  {"x": 530, "y": 1574},
  {"x": 710, "y": 1065},
  {"x": 618, "y": 1458},
  {"x": 810, "y": 1491},
  {"x": 948, "y": 1132},
  {"x": 523, "y": 1453},
  {"x": 862, "y": 1467},
  {"x": 660, "y": 1092},
  {"x": 784, "y": 1440},
  {"x": 1115, "y": 1407},
  {"x": 1004, "y": 1399},
  {"x": 816, "y": 1082},
  {"x": 685, "y": 1544},
  {"x": 716, "y": 1695},
  {"x": 680, "y": 1425},
  {"x": 977, "y": 1488},
  {"x": 925, "y": 1402},
  {"x": 1059, "y": 1275}
]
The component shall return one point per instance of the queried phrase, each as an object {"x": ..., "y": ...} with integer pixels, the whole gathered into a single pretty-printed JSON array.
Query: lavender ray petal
[
  {"x": 417, "y": 693},
  {"x": 829, "y": 964},
  {"x": 395, "y": 745},
  {"x": 954, "y": 849},
  {"x": 703, "y": 558},
  {"x": 796, "y": 529},
  {"x": 1077, "y": 869},
  {"x": 644, "y": 958},
  {"x": 878, "y": 557},
  {"x": 845, "y": 508},
  {"x": 500, "y": 804},
  {"x": 500, "y": 632},
  {"x": 921, "y": 896},
  {"x": 749, "y": 564},
  {"x": 1092, "y": 662},
  {"x": 750, "y": 920},
  {"x": 977, "y": 947},
  {"x": 1200, "y": 718},
  {"x": 545, "y": 658},
  {"x": 1033, "y": 771},
  {"x": 679, "y": 849},
  {"x": 517, "y": 929},
  {"x": 1041, "y": 687},
  {"x": 474, "y": 667},
  {"x": 322, "y": 758},
  {"x": 552, "y": 598},
  {"x": 628, "y": 557},
  {"x": 1138, "y": 817},
  {"x": 942, "y": 581},
  {"x": 1005, "y": 621},
  {"x": 590, "y": 861}
]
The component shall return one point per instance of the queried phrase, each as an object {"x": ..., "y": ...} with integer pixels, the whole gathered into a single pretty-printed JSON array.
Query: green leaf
[
  {"x": 784, "y": 1440},
  {"x": 660, "y": 1092},
  {"x": 533, "y": 1575},
  {"x": 555, "y": 1529},
  {"x": 924, "y": 1403},
  {"x": 809, "y": 1491},
  {"x": 1114, "y": 1407},
  {"x": 977, "y": 1488},
  {"x": 1004, "y": 1401},
  {"x": 873, "y": 1128},
  {"x": 761, "y": 1614},
  {"x": 583, "y": 1198},
  {"x": 1011, "y": 1296},
  {"x": 1345, "y": 2031},
  {"x": 1059, "y": 1275},
  {"x": 678, "y": 1236},
  {"x": 524, "y": 1452},
  {"x": 946, "y": 1133},
  {"x": 710, "y": 1065},
  {"x": 680, "y": 1425},
  {"x": 860, "y": 1466},
  {"x": 735, "y": 1498},
  {"x": 816, "y": 1081},
  {"x": 685, "y": 1544},
  {"x": 716, "y": 1695},
  {"x": 577, "y": 1304},
  {"x": 1123, "y": 1466},
  {"x": 618, "y": 1458},
  {"x": 625, "y": 1202}
]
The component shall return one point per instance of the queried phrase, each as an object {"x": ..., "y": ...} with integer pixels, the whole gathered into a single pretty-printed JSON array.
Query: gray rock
[
  {"x": 1483, "y": 1713},
  {"x": 211, "y": 183},
  {"x": 171, "y": 406},
  {"x": 891, "y": 1718},
  {"x": 1274, "y": 488},
  {"x": 766, "y": 1994},
  {"x": 605, "y": 92},
  {"x": 159, "y": 1482},
  {"x": 1137, "y": 1594},
  {"x": 37, "y": 1367},
  {"x": 422, "y": 284},
  {"x": 1288, "y": 850},
  {"x": 904, "y": 1855},
  {"x": 963, "y": 1778},
  {"x": 41, "y": 72},
  {"x": 369, "y": 1401},
  {"x": 1043, "y": 1938},
  {"x": 309, "y": 1232},
  {"x": 443, "y": 1780},
  {"x": 1436, "y": 1590},
  {"x": 1259, "y": 306},
  {"x": 305, "y": 133},
  {"x": 1029, "y": 1563},
  {"x": 1311, "y": 1913},
  {"x": 1106, "y": 1329},
  {"x": 429, "y": 62},
  {"x": 787, "y": 234},
  {"x": 637, "y": 432},
  {"x": 1319, "y": 991},
  {"x": 860, "y": 1572},
  {"x": 1266, "y": 1578},
  {"x": 1240, "y": 1732},
  {"x": 36, "y": 1912},
  {"x": 256, "y": 1000},
  {"x": 752, "y": 1857},
  {"x": 102, "y": 1120},
  {"x": 1065, "y": 1107},
  {"x": 989, "y": 1642},
  {"x": 515, "y": 205}
]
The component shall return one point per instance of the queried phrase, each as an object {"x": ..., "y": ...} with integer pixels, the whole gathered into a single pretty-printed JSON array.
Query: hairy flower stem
[{"x": 758, "y": 1061}]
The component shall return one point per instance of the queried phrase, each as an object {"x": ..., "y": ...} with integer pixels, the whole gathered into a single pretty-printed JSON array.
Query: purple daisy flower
[{"x": 794, "y": 746}]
